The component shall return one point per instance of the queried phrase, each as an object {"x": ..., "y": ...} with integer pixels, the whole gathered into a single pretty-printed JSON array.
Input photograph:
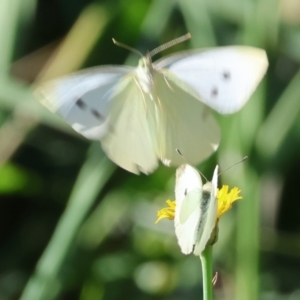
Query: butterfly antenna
[
  {"x": 242, "y": 160},
  {"x": 127, "y": 47},
  {"x": 178, "y": 151},
  {"x": 170, "y": 44}
]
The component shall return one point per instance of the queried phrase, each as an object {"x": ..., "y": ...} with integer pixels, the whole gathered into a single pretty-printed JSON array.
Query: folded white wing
[
  {"x": 209, "y": 209},
  {"x": 188, "y": 193},
  {"x": 196, "y": 209}
]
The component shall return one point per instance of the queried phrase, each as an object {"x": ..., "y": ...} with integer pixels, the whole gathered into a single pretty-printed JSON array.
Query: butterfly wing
[
  {"x": 82, "y": 99},
  {"x": 131, "y": 140},
  {"x": 223, "y": 78},
  {"x": 102, "y": 103},
  {"x": 209, "y": 210},
  {"x": 183, "y": 123},
  {"x": 188, "y": 190}
]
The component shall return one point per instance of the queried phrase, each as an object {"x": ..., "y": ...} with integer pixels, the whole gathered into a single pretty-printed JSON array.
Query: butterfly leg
[{"x": 168, "y": 84}]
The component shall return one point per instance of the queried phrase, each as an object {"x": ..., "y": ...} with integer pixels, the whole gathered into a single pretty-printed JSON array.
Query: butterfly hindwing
[
  {"x": 183, "y": 123},
  {"x": 190, "y": 204},
  {"x": 131, "y": 140}
]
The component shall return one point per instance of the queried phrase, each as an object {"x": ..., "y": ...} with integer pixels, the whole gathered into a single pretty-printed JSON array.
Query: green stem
[{"x": 206, "y": 260}]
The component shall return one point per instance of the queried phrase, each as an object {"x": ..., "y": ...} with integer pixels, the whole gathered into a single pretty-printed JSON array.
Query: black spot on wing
[
  {"x": 81, "y": 104},
  {"x": 226, "y": 75},
  {"x": 214, "y": 92},
  {"x": 96, "y": 114},
  {"x": 185, "y": 192}
]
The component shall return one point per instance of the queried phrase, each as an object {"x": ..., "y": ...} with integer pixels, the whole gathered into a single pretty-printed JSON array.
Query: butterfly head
[
  {"x": 207, "y": 187},
  {"x": 146, "y": 62}
]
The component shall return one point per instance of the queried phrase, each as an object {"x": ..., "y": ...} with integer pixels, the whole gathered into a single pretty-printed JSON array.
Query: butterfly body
[
  {"x": 141, "y": 115},
  {"x": 144, "y": 75}
]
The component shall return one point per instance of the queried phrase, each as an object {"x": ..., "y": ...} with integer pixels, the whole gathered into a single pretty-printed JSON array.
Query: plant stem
[{"x": 206, "y": 261}]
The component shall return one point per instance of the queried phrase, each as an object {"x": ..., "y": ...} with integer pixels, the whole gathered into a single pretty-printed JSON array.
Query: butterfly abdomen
[{"x": 204, "y": 207}]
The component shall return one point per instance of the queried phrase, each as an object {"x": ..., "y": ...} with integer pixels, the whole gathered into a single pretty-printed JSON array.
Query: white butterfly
[
  {"x": 143, "y": 114},
  {"x": 196, "y": 209}
]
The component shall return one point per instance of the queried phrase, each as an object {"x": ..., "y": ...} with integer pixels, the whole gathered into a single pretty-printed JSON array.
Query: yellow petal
[
  {"x": 225, "y": 199},
  {"x": 167, "y": 212}
]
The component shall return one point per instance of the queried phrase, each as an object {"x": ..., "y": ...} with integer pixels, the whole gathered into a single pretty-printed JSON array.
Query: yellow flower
[
  {"x": 225, "y": 200},
  {"x": 167, "y": 212}
]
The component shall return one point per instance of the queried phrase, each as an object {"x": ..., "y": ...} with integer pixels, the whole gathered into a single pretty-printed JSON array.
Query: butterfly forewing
[
  {"x": 82, "y": 99},
  {"x": 223, "y": 78}
]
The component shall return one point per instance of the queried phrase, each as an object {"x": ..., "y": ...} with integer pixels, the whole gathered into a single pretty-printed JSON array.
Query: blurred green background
[{"x": 75, "y": 226}]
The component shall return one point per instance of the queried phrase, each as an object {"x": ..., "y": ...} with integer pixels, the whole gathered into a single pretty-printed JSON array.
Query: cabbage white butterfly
[
  {"x": 143, "y": 114},
  {"x": 196, "y": 209}
]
